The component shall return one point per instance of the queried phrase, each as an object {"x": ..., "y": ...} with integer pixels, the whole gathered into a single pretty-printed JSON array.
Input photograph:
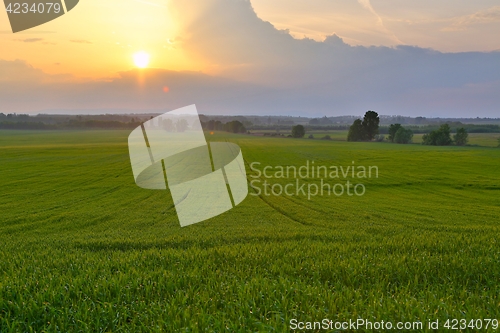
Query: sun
[{"x": 141, "y": 59}]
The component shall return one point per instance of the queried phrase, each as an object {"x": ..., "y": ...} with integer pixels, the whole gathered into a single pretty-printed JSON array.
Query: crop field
[
  {"x": 475, "y": 139},
  {"x": 83, "y": 249}
]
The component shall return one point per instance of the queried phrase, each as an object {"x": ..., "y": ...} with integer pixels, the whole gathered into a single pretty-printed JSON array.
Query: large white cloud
[{"x": 334, "y": 77}]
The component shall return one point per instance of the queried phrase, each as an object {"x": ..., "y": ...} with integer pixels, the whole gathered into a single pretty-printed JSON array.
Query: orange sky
[{"x": 97, "y": 38}]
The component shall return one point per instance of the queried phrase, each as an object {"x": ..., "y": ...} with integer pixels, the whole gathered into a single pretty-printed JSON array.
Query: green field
[
  {"x": 475, "y": 139},
  {"x": 83, "y": 249}
]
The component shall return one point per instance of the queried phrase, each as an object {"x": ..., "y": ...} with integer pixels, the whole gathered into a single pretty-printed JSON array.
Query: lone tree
[
  {"x": 440, "y": 137},
  {"x": 392, "y": 131},
  {"x": 461, "y": 137},
  {"x": 356, "y": 132},
  {"x": 403, "y": 135},
  {"x": 366, "y": 129},
  {"x": 370, "y": 124},
  {"x": 298, "y": 131}
]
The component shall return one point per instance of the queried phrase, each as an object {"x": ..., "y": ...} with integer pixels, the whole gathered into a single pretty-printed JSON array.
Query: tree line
[
  {"x": 87, "y": 124},
  {"x": 234, "y": 126},
  {"x": 58, "y": 122},
  {"x": 368, "y": 130}
]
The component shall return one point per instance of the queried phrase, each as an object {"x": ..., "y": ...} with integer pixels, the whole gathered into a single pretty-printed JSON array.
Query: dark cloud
[{"x": 30, "y": 40}]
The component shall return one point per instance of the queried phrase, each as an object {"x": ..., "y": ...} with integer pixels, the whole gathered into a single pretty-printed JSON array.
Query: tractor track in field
[
  {"x": 274, "y": 207},
  {"x": 296, "y": 201},
  {"x": 305, "y": 206},
  {"x": 279, "y": 210}
]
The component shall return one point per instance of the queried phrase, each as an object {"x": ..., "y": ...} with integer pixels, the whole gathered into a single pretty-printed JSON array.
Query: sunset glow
[{"x": 141, "y": 59}]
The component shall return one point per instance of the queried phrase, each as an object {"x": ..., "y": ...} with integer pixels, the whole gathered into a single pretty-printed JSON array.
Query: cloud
[
  {"x": 33, "y": 91},
  {"x": 367, "y": 5},
  {"x": 35, "y": 40},
  {"x": 241, "y": 46},
  {"x": 137, "y": 90},
  {"x": 30, "y": 40},
  {"x": 80, "y": 41},
  {"x": 489, "y": 15},
  {"x": 18, "y": 73}
]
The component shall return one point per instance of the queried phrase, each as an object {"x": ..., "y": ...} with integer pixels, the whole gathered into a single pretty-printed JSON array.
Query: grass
[{"x": 85, "y": 250}]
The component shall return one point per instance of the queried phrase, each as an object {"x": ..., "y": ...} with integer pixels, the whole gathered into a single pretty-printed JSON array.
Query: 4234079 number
[{"x": 36, "y": 8}]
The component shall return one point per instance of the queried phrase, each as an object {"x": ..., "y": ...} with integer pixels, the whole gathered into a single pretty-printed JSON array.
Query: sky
[{"x": 280, "y": 57}]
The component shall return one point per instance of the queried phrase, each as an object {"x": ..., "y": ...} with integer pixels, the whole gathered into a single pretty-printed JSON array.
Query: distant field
[
  {"x": 83, "y": 249},
  {"x": 334, "y": 134},
  {"x": 477, "y": 139}
]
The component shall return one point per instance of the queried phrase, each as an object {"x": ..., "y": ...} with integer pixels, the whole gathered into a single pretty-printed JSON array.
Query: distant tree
[
  {"x": 379, "y": 138},
  {"x": 320, "y": 121},
  {"x": 426, "y": 139},
  {"x": 403, "y": 135},
  {"x": 181, "y": 125},
  {"x": 298, "y": 131},
  {"x": 311, "y": 136},
  {"x": 392, "y": 131},
  {"x": 356, "y": 131},
  {"x": 371, "y": 121},
  {"x": 234, "y": 127},
  {"x": 168, "y": 125},
  {"x": 440, "y": 137},
  {"x": 444, "y": 137},
  {"x": 247, "y": 123},
  {"x": 325, "y": 121},
  {"x": 213, "y": 125},
  {"x": 462, "y": 137}
]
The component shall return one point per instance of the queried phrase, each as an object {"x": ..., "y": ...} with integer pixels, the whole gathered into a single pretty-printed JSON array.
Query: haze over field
[{"x": 224, "y": 56}]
